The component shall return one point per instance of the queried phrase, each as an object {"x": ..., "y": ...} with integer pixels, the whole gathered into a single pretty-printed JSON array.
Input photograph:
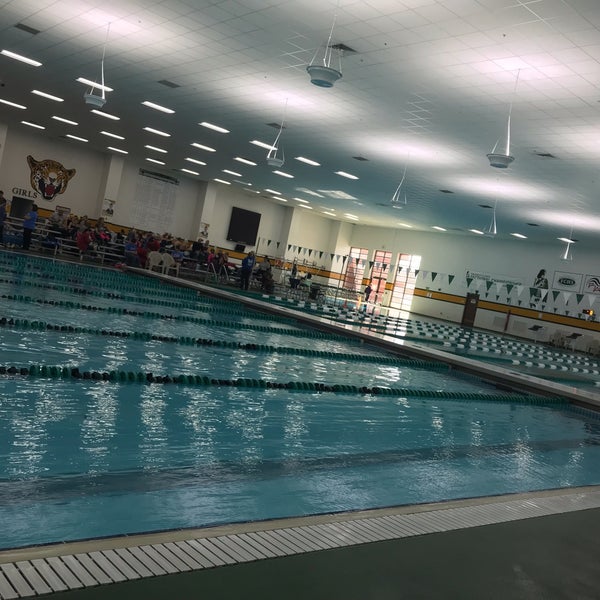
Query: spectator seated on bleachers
[{"x": 51, "y": 241}]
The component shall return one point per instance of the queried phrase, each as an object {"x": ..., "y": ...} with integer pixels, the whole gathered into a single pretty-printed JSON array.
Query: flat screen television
[{"x": 243, "y": 226}]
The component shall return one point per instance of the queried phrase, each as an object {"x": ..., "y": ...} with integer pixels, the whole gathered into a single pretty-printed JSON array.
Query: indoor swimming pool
[{"x": 130, "y": 405}]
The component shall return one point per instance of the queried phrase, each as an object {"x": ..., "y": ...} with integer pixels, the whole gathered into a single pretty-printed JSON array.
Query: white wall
[{"x": 83, "y": 191}]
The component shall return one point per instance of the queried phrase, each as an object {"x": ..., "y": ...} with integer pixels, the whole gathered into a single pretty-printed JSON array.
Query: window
[
  {"x": 355, "y": 269},
  {"x": 406, "y": 280},
  {"x": 382, "y": 262}
]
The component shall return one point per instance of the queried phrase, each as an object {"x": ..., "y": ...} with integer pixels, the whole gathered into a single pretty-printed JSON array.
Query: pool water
[{"x": 83, "y": 458}]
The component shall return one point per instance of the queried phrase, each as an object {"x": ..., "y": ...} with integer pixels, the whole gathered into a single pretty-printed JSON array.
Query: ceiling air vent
[
  {"x": 533, "y": 224},
  {"x": 544, "y": 154},
  {"x": 27, "y": 29},
  {"x": 485, "y": 206},
  {"x": 360, "y": 158},
  {"x": 276, "y": 125},
  {"x": 168, "y": 83},
  {"x": 447, "y": 191}
]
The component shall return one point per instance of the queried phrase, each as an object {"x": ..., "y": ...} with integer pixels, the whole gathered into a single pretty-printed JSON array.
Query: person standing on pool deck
[
  {"x": 247, "y": 267},
  {"x": 29, "y": 225}
]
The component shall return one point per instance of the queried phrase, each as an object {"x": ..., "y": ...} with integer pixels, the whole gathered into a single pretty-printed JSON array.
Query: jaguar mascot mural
[{"x": 49, "y": 177}]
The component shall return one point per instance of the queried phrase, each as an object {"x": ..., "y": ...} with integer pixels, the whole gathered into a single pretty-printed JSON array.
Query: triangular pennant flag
[
  {"x": 499, "y": 285},
  {"x": 591, "y": 299},
  {"x": 424, "y": 274},
  {"x": 433, "y": 276},
  {"x": 579, "y": 298},
  {"x": 289, "y": 246},
  {"x": 488, "y": 285},
  {"x": 566, "y": 296},
  {"x": 567, "y": 313},
  {"x": 487, "y": 294},
  {"x": 299, "y": 249},
  {"x": 344, "y": 259},
  {"x": 400, "y": 271},
  {"x": 544, "y": 294},
  {"x": 469, "y": 281},
  {"x": 520, "y": 289},
  {"x": 331, "y": 256},
  {"x": 555, "y": 309},
  {"x": 416, "y": 272},
  {"x": 509, "y": 287},
  {"x": 305, "y": 250},
  {"x": 278, "y": 244},
  {"x": 555, "y": 295},
  {"x": 384, "y": 266},
  {"x": 497, "y": 298},
  {"x": 320, "y": 253},
  {"x": 268, "y": 242},
  {"x": 543, "y": 306},
  {"x": 533, "y": 292},
  {"x": 508, "y": 300},
  {"x": 451, "y": 279},
  {"x": 520, "y": 302}
]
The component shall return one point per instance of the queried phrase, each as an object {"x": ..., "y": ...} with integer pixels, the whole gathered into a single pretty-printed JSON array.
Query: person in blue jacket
[
  {"x": 29, "y": 225},
  {"x": 247, "y": 266}
]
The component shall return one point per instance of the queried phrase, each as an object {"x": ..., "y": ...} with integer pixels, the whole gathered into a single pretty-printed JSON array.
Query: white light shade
[
  {"x": 322, "y": 76},
  {"x": 500, "y": 161},
  {"x": 93, "y": 100},
  {"x": 275, "y": 161}
]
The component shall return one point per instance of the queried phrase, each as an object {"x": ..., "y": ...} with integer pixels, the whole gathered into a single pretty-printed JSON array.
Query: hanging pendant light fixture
[
  {"x": 567, "y": 254},
  {"x": 324, "y": 75},
  {"x": 492, "y": 229},
  {"x": 396, "y": 200},
  {"x": 276, "y": 155},
  {"x": 501, "y": 160},
  {"x": 90, "y": 98}
]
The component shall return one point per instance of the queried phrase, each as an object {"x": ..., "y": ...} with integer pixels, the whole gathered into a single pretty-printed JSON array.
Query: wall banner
[{"x": 569, "y": 282}]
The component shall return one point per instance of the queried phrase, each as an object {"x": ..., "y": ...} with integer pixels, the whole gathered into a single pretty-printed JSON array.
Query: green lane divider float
[
  {"x": 191, "y": 341},
  {"x": 74, "y": 373}
]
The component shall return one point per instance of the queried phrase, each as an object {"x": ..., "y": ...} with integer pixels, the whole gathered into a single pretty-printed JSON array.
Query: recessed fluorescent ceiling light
[
  {"x": 157, "y": 131},
  {"x": 325, "y": 212},
  {"x": 117, "y": 150},
  {"x": 158, "y": 107},
  {"x": 74, "y": 137},
  {"x": 567, "y": 240},
  {"x": 301, "y": 200},
  {"x": 349, "y": 216},
  {"x": 337, "y": 194},
  {"x": 232, "y": 173},
  {"x": 45, "y": 95},
  {"x": 67, "y": 121},
  {"x": 242, "y": 182},
  {"x": 155, "y": 149},
  {"x": 22, "y": 58},
  {"x": 223, "y": 181},
  {"x": 307, "y": 207},
  {"x": 112, "y": 135},
  {"x": 405, "y": 225},
  {"x": 13, "y": 104},
  {"x": 279, "y": 198},
  {"x": 197, "y": 162},
  {"x": 346, "y": 175},
  {"x": 153, "y": 160},
  {"x": 308, "y": 161},
  {"x": 190, "y": 172},
  {"x": 253, "y": 191},
  {"x": 283, "y": 174},
  {"x": 214, "y": 127},
  {"x": 309, "y": 192},
  {"x": 273, "y": 191},
  {"x": 476, "y": 231},
  {"x": 245, "y": 161},
  {"x": 105, "y": 115},
  {"x": 439, "y": 228},
  {"x": 33, "y": 125},
  {"x": 207, "y": 148},
  {"x": 262, "y": 145},
  {"x": 94, "y": 84},
  {"x": 519, "y": 235}
]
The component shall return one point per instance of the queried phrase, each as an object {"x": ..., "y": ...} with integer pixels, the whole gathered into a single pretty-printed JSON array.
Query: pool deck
[{"x": 531, "y": 545}]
